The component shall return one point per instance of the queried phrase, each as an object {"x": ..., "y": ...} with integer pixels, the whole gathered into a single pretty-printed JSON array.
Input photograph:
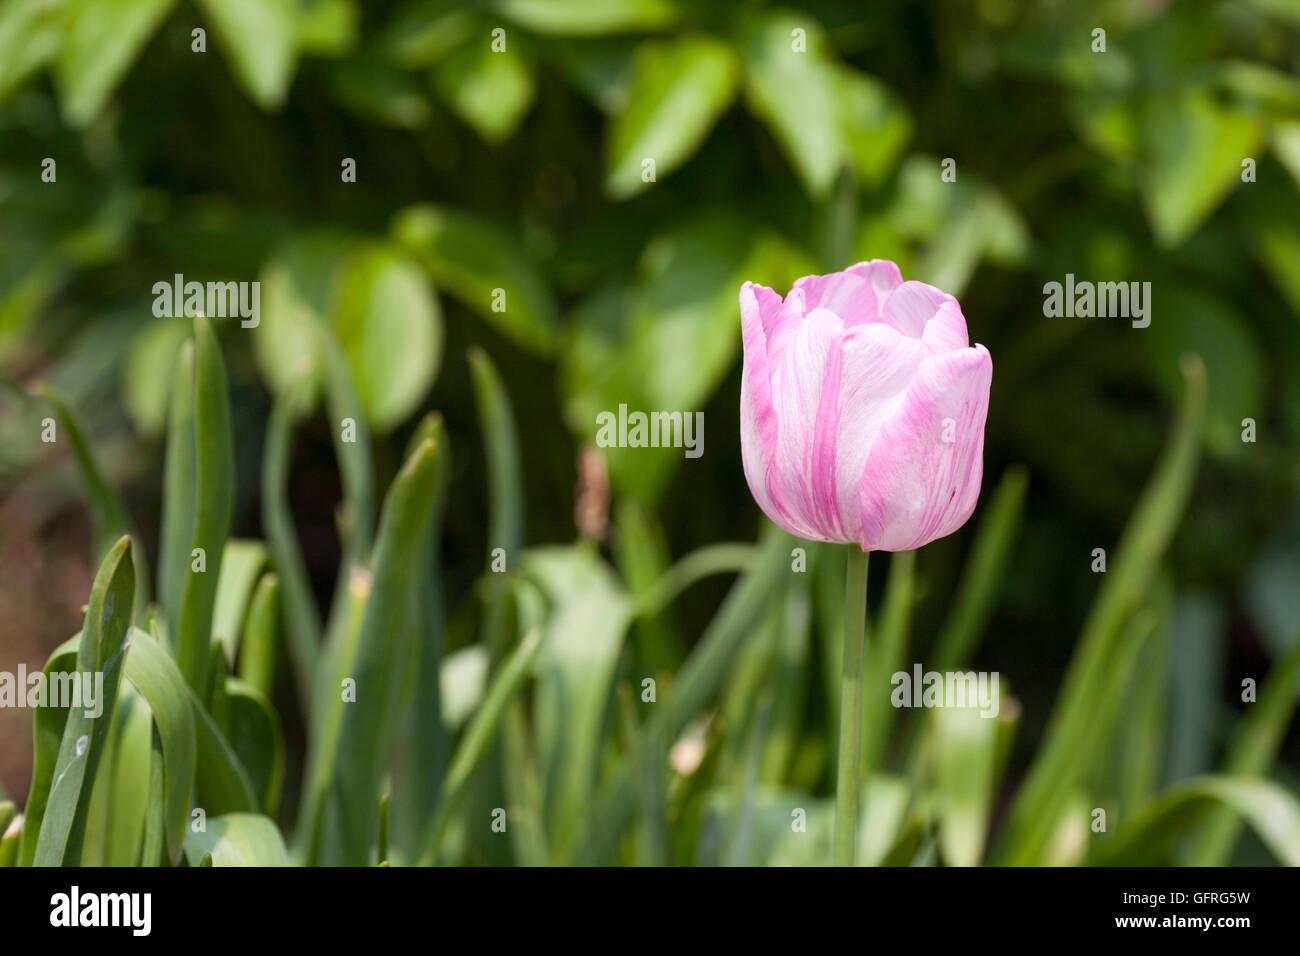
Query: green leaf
[
  {"x": 222, "y": 783},
  {"x": 505, "y": 473},
  {"x": 30, "y": 35},
  {"x": 965, "y": 760},
  {"x": 1089, "y": 681},
  {"x": 259, "y": 648},
  {"x": 667, "y": 344},
  {"x": 48, "y": 723},
  {"x": 886, "y": 654},
  {"x": 797, "y": 94},
  {"x": 155, "y": 676},
  {"x": 253, "y": 729},
  {"x": 583, "y": 18},
  {"x": 380, "y": 92},
  {"x": 1251, "y": 752},
  {"x": 100, "y": 651},
  {"x": 11, "y": 831},
  {"x": 213, "y": 500},
  {"x": 258, "y": 38},
  {"x": 388, "y": 321},
  {"x": 478, "y": 737},
  {"x": 693, "y": 687},
  {"x": 354, "y": 744},
  {"x": 472, "y": 259},
  {"x": 298, "y": 291},
  {"x": 489, "y": 89},
  {"x": 301, "y": 617},
  {"x": 122, "y": 790},
  {"x": 588, "y": 618},
  {"x": 1193, "y": 149},
  {"x": 678, "y": 90},
  {"x": 1271, "y": 811},
  {"x": 178, "y": 491},
  {"x": 237, "y": 839},
  {"x": 424, "y": 747},
  {"x": 242, "y": 563},
  {"x": 356, "y": 514},
  {"x": 983, "y": 574},
  {"x": 106, "y": 508},
  {"x": 424, "y": 31},
  {"x": 326, "y": 27},
  {"x": 102, "y": 39},
  {"x": 876, "y": 126}
]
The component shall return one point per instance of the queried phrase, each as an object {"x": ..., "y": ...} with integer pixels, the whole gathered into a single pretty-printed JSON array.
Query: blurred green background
[{"x": 522, "y": 169}]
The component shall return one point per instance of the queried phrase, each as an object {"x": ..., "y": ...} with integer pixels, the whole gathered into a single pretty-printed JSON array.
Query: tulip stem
[{"x": 855, "y": 637}]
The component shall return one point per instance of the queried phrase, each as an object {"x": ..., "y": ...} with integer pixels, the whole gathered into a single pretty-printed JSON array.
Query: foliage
[{"x": 500, "y": 210}]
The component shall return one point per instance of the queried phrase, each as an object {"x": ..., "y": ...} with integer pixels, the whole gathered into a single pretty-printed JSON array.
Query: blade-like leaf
[
  {"x": 347, "y": 781},
  {"x": 155, "y": 676},
  {"x": 100, "y": 651},
  {"x": 214, "y": 480},
  {"x": 1073, "y": 728}
]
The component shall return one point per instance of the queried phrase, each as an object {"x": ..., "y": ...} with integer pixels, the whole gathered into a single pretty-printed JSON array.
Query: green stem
[{"x": 846, "y": 784}]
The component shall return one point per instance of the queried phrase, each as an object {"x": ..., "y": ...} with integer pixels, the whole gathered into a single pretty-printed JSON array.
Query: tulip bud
[{"x": 862, "y": 408}]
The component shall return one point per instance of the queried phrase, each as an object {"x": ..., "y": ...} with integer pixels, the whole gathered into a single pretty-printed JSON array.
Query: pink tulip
[{"x": 862, "y": 408}]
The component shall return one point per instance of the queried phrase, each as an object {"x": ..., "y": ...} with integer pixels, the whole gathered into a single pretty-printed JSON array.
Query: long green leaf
[
  {"x": 155, "y": 676},
  {"x": 983, "y": 574},
  {"x": 214, "y": 480},
  {"x": 99, "y": 652},
  {"x": 425, "y": 750},
  {"x": 694, "y": 685},
  {"x": 47, "y": 725},
  {"x": 349, "y": 779},
  {"x": 1072, "y": 729},
  {"x": 301, "y": 617},
  {"x": 241, "y": 567},
  {"x": 107, "y": 512},
  {"x": 1271, "y": 811},
  {"x": 478, "y": 737},
  {"x": 177, "y": 532},
  {"x": 1251, "y": 752}
]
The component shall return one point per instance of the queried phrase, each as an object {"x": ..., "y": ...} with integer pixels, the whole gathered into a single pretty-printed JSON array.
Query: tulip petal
[
  {"x": 849, "y": 296},
  {"x": 947, "y": 330},
  {"x": 922, "y": 476},
  {"x": 758, "y": 421},
  {"x": 805, "y": 393},
  {"x": 881, "y": 273},
  {"x": 910, "y": 306},
  {"x": 879, "y": 363}
]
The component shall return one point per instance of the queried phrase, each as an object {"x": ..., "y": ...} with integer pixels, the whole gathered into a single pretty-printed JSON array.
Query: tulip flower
[{"x": 862, "y": 409}]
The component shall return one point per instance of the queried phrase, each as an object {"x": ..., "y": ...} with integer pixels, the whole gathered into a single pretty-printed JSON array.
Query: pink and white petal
[
  {"x": 879, "y": 363},
  {"x": 881, "y": 273},
  {"x": 947, "y": 330},
  {"x": 849, "y": 296},
  {"x": 910, "y": 306},
  {"x": 782, "y": 326},
  {"x": 758, "y": 420},
  {"x": 916, "y": 486},
  {"x": 806, "y": 397}
]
